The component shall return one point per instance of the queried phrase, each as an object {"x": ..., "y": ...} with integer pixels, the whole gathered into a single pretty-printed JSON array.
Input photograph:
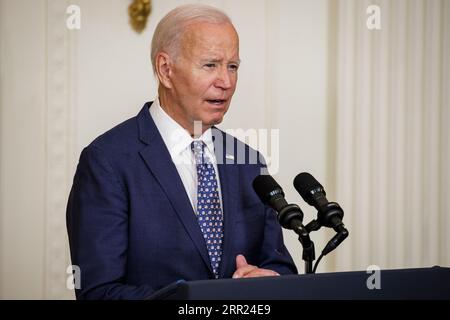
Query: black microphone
[
  {"x": 269, "y": 191},
  {"x": 329, "y": 214},
  {"x": 290, "y": 216}
]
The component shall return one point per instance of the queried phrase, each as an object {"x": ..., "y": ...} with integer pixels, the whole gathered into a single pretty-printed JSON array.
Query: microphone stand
[
  {"x": 290, "y": 219},
  {"x": 341, "y": 235},
  {"x": 314, "y": 225},
  {"x": 308, "y": 246}
]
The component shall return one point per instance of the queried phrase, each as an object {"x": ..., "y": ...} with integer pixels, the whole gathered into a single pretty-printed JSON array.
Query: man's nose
[{"x": 223, "y": 79}]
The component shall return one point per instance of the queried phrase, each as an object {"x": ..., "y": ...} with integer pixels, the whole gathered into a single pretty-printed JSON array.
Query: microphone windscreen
[
  {"x": 264, "y": 185},
  {"x": 304, "y": 183}
]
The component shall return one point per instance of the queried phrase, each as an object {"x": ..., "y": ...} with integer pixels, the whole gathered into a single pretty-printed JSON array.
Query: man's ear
[{"x": 164, "y": 69}]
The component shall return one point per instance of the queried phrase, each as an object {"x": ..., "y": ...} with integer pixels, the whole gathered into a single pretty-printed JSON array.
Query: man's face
[{"x": 205, "y": 74}]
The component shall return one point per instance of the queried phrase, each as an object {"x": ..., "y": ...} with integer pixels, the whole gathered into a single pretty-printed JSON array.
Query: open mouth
[{"x": 217, "y": 102}]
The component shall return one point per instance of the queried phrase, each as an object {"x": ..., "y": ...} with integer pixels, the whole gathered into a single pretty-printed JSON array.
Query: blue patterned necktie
[{"x": 209, "y": 212}]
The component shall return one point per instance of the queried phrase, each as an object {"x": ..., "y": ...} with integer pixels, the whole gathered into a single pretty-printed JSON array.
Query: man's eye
[
  {"x": 210, "y": 65},
  {"x": 233, "y": 67}
]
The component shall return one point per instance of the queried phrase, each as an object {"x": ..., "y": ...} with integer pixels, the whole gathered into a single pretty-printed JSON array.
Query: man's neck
[{"x": 195, "y": 129}]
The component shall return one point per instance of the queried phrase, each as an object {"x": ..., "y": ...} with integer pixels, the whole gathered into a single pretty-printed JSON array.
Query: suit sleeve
[
  {"x": 97, "y": 223},
  {"x": 274, "y": 254}
]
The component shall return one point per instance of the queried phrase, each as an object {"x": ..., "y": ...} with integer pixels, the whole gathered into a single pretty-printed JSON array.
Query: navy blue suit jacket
[{"x": 131, "y": 226}]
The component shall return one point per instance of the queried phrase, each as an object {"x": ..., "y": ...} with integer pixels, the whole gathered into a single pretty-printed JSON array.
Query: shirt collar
[{"x": 176, "y": 138}]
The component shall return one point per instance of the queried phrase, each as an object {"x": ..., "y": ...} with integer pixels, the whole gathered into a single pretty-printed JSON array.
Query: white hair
[{"x": 170, "y": 29}]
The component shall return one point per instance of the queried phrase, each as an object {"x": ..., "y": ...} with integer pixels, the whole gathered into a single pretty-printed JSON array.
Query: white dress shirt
[{"x": 178, "y": 142}]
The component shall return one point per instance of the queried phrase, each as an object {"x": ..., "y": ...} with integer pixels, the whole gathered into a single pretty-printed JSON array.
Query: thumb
[{"x": 240, "y": 261}]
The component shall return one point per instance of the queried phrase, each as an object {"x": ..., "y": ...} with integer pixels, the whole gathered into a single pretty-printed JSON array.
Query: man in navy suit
[{"x": 163, "y": 196}]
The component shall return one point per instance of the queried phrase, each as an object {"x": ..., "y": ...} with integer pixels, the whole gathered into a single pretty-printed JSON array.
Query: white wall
[{"x": 22, "y": 142}]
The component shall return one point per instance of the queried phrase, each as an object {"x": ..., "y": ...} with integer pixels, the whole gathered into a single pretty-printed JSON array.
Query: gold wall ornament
[{"x": 139, "y": 11}]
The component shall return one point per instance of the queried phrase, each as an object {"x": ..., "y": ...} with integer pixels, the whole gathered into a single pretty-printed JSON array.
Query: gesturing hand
[{"x": 245, "y": 270}]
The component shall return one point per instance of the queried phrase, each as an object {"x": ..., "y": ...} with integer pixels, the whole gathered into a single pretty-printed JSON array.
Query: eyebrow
[{"x": 220, "y": 60}]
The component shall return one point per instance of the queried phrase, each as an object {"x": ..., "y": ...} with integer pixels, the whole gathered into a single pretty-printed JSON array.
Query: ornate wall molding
[{"x": 59, "y": 150}]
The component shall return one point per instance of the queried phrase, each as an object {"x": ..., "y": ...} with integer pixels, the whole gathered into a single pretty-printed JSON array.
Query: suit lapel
[{"x": 158, "y": 160}]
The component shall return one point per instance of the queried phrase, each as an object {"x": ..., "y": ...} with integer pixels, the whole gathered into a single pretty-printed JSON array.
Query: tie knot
[{"x": 198, "y": 147}]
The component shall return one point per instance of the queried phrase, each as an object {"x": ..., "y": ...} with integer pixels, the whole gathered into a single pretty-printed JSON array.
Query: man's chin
[{"x": 215, "y": 121}]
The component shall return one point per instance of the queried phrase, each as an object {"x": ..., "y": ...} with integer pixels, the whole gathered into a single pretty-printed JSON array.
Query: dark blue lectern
[{"x": 423, "y": 283}]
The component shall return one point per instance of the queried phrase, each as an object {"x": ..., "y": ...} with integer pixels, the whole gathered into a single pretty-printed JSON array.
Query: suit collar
[{"x": 146, "y": 125}]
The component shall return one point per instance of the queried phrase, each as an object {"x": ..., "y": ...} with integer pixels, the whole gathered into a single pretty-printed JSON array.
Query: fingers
[
  {"x": 240, "y": 261},
  {"x": 242, "y": 267},
  {"x": 245, "y": 270},
  {"x": 260, "y": 273}
]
